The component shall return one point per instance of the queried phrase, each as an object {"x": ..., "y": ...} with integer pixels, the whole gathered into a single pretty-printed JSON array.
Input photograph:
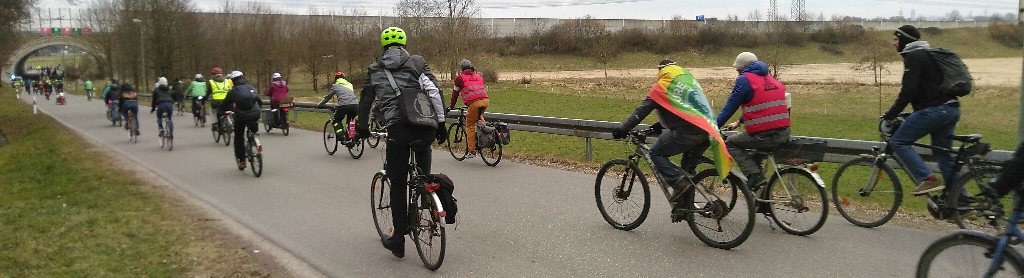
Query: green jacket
[
  {"x": 88, "y": 84},
  {"x": 196, "y": 88}
]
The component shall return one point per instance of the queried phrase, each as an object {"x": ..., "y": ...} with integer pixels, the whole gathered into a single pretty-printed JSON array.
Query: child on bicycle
[
  {"x": 348, "y": 106},
  {"x": 684, "y": 111}
]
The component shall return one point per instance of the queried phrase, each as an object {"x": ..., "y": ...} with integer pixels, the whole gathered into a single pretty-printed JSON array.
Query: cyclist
[
  {"x": 177, "y": 91},
  {"x": 110, "y": 96},
  {"x": 277, "y": 90},
  {"x": 58, "y": 86},
  {"x": 197, "y": 89},
  {"x": 88, "y": 87},
  {"x": 409, "y": 71},
  {"x": 470, "y": 86},
  {"x": 163, "y": 102},
  {"x": 245, "y": 102},
  {"x": 17, "y": 85},
  {"x": 688, "y": 129},
  {"x": 129, "y": 101},
  {"x": 935, "y": 113},
  {"x": 216, "y": 90},
  {"x": 348, "y": 106},
  {"x": 1011, "y": 177},
  {"x": 765, "y": 116}
]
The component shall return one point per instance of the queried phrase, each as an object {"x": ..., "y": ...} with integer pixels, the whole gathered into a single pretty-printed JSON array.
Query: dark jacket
[
  {"x": 246, "y": 100},
  {"x": 178, "y": 91},
  {"x": 409, "y": 71},
  {"x": 668, "y": 119},
  {"x": 921, "y": 79},
  {"x": 161, "y": 94}
]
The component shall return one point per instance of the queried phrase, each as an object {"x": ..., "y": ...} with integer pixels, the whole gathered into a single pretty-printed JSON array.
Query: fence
[{"x": 839, "y": 150}]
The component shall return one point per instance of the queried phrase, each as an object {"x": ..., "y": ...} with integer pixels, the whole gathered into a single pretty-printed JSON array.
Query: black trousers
[
  {"x": 400, "y": 136},
  {"x": 240, "y": 127}
]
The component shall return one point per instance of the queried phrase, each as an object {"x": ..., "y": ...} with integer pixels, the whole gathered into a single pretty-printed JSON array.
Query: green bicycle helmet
[{"x": 392, "y": 36}]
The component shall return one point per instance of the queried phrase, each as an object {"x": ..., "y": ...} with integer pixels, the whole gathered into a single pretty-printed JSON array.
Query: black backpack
[
  {"x": 956, "y": 79},
  {"x": 450, "y": 204}
]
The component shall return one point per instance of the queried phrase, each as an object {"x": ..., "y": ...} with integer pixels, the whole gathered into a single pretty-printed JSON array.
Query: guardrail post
[
  {"x": 35, "y": 110},
  {"x": 295, "y": 116},
  {"x": 590, "y": 149}
]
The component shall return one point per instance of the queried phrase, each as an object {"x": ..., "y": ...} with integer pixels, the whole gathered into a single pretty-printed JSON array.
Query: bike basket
[{"x": 799, "y": 151}]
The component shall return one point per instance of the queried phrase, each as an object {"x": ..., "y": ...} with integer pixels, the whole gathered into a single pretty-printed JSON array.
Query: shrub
[
  {"x": 832, "y": 49},
  {"x": 1006, "y": 34},
  {"x": 634, "y": 40},
  {"x": 490, "y": 75},
  {"x": 933, "y": 31}
]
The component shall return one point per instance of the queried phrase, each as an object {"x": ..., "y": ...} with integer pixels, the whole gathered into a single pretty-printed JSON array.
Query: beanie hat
[
  {"x": 665, "y": 62},
  {"x": 162, "y": 81},
  {"x": 906, "y": 34},
  {"x": 743, "y": 60},
  {"x": 465, "y": 64}
]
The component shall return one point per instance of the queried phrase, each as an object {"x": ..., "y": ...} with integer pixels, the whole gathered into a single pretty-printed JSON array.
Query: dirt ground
[{"x": 1002, "y": 72}]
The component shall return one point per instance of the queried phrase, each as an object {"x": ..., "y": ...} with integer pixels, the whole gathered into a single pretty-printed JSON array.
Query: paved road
[{"x": 517, "y": 220}]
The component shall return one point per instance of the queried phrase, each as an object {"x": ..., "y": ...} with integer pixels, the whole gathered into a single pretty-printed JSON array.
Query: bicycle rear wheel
[
  {"x": 356, "y": 151},
  {"x": 616, "y": 182},
  {"x": 723, "y": 214},
  {"x": 967, "y": 255},
  {"x": 865, "y": 194},
  {"x": 428, "y": 232},
  {"x": 972, "y": 199},
  {"x": 492, "y": 155},
  {"x": 330, "y": 140},
  {"x": 380, "y": 204},
  {"x": 255, "y": 155},
  {"x": 228, "y": 132},
  {"x": 457, "y": 143},
  {"x": 133, "y": 129},
  {"x": 798, "y": 204},
  {"x": 216, "y": 133}
]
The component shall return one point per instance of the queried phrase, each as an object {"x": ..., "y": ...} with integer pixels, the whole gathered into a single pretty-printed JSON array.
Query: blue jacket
[{"x": 742, "y": 92}]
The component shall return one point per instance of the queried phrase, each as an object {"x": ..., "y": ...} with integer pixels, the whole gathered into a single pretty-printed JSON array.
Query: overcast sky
[{"x": 648, "y": 9}]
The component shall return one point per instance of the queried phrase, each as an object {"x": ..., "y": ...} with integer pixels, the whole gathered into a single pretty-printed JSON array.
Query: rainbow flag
[{"x": 678, "y": 89}]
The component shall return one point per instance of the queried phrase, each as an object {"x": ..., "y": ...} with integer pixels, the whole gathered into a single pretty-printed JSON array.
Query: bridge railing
[{"x": 839, "y": 150}]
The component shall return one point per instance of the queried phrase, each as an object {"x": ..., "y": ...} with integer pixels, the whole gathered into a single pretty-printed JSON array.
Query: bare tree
[
  {"x": 604, "y": 49},
  {"x": 954, "y": 15},
  {"x": 876, "y": 54},
  {"x": 12, "y": 13}
]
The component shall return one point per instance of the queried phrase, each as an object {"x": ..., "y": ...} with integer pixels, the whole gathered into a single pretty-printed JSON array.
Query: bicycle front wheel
[
  {"x": 330, "y": 141},
  {"x": 616, "y": 182},
  {"x": 866, "y": 194},
  {"x": 492, "y": 155},
  {"x": 798, "y": 203},
  {"x": 971, "y": 199},
  {"x": 967, "y": 255},
  {"x": 723, "y": 214},
  {"x": 374, "y": 140},
  {"x": 457, "y": 143},
  {"x": 380, "y": 204},
  {"x": 428, "y": 232}
]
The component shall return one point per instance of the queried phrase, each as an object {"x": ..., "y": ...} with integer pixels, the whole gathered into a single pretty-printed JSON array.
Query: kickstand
[{"x": 771, "y": 224}]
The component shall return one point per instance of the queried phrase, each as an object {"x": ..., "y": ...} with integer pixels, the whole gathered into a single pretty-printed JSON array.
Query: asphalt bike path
[{"x": 515, "y": 220}]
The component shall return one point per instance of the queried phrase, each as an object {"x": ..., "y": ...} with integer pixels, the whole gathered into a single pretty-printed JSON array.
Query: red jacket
[
  {"x": 767, "y": 109},
  {"x": 277, "y": 90},
  {"x": 470, "y": 87}
]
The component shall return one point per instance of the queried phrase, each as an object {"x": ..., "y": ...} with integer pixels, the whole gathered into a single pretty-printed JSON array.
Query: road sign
[{"x": 700, "y": 17}]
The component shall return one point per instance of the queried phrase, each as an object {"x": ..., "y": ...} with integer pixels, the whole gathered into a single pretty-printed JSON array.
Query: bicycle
[
  {"x": 277, "y": 117},
  {"x": 112, "y": 109},
  {"x": 333, "y": 138},
  {"x": 133, "y": 128},
  {"x": 377, "y": 128},
  {"x": 719, "y": 221},
  {"x": 167, "y": 134},
  {"x": 180, "y": 107},
  {"x": 458, "y": 143},
  {"x": 225, "y": 131},
  {"x": 794, "y": 195},
  {"x": 426, "y": 214},
  {"x": 969, "y": 253},
  {"x": 88, "y": 94},
  {"x": 253, "y": 152},
  {"x": 872, "y": 201},
  {"x": 198, "y": 112}
]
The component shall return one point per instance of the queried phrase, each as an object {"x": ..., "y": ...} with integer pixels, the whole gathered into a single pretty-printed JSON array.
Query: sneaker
[
  {"x": 679, "y": 189},
  {"x": 161, "y": 133},
  {"x": 754, "y": 182},
  {"x": 471, "y": 154},
  {"x": 396, "y": 245},
  {"x": 928, "y": 186},
  {"x": 241, "y": 165}
]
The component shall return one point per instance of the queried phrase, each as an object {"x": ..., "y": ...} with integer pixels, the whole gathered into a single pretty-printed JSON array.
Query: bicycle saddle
[{"x": 970, "y": 138}]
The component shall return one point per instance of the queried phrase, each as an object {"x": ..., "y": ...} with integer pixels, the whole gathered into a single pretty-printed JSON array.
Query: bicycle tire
[
  {"x": 613, "y": 194},
  {"x": 329, "y": 138},
  {"x": 721, "y": 223},
  {"x": 132, "y": 128},
  {"x": 965, "y": 261},
  {"x": 380, "y": 204},
  {"x": 227, "y": 133},
  {"x": 195, "y": 120},
  {"x": 978, "y": 201},
  {"x": 428, "y": 232},
  {"x": 491, "y": 156},
  {"x": 876, "y": 207},
  {"x": 266, "y": 126},
  {"x": 356, "y": 151},
  {"x": 801, "y": 214},
  {"x": 374, "y": 140},
  {"x": 458, "y": 146},
  {"x": 216, "y": 133},
  {"x": 255, "y": 155}
]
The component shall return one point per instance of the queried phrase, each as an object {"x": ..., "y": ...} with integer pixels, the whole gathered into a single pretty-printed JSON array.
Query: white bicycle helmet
[
  {"x": 234, "y": 74},
  {"x": 198, "y": 76},
  {"x": 275, "y": 75}
]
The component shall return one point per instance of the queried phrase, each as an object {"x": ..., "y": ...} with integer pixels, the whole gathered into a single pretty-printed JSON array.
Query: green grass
[{"x": 65, "y": 211}]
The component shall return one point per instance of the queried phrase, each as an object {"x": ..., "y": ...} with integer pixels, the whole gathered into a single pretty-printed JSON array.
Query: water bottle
[{"x": 352, "y": 129}]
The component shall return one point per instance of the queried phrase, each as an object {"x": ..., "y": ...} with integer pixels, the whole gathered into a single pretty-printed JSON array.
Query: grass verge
[{"x": 69, "y": 210}]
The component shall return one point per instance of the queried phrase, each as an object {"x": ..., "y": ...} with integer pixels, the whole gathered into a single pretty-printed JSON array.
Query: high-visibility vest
[
  {"x": 220, "y": 89},
  {"x": 473, "y": 88},
  {"x": 767, "y": 109}
]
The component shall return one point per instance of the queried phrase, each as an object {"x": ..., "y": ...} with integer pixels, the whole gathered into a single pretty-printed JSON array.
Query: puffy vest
[
  {"x": 220, "y": 89},
  {"x": 767, "y": 109},
  {"x": 472, "y": 88}
]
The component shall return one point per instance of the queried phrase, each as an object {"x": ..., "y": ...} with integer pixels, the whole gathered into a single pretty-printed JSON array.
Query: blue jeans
[
  {"x": 164, "y": 107},
  {"x": 937, "y": 121},
  {"x": 113, "y": 109},
  {"x": 671, "y": 143}
]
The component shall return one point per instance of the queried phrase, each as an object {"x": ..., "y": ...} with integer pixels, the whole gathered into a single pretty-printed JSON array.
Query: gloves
[
  {"x": 657, "y": 127},
  {"x": 619, "y": 133},
  {"x": 442, "y": 133}
]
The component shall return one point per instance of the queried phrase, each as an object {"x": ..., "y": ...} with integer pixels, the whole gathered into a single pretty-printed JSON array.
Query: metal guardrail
[{"x": 839, "y": 150}]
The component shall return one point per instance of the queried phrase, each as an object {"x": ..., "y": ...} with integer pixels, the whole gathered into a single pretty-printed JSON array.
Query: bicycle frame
[
  {"x": 644, "y": 151},
  {"x": 777, "y": 168},
  {"x": 881, "y": 156}
]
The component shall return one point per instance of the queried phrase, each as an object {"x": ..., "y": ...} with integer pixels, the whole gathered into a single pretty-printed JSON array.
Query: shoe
[
  {"x": 241, "y": 165},
  {"x": 396, "y": 245},
  {"x": 678, "y": 212},
  {"x": 161, "y": 133},
  {"x": 754, "y": 181},
  {"x": 679, "y": 189},
  {"x": 471, "y": 154},
  {"x": 928, "y": 186}
]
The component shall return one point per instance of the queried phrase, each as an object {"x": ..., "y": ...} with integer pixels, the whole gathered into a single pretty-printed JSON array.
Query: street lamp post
[{"x": 142, "y": 57}]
